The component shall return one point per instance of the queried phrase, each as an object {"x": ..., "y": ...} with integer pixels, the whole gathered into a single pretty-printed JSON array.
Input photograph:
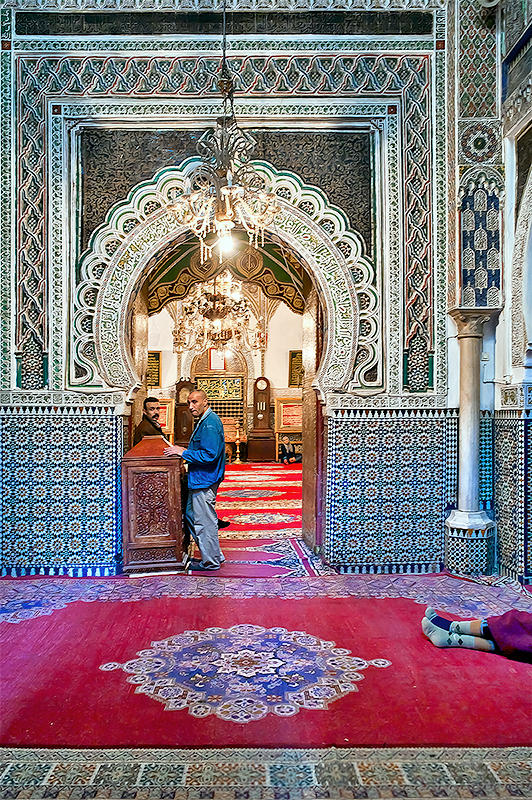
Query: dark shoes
[{"x": 199, "y": 566}]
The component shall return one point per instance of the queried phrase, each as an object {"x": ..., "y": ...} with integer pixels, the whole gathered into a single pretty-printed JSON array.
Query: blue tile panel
[
  {"x": 481, "y": 249},
  {"x": 513, "y": 493},
  {"x": 485, "y": 476},
  {"x": 60, "y": 500},
  {"x": 387, "y": 490}
]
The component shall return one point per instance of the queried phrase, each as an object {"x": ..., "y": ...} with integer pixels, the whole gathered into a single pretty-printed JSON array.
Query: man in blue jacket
[{"x": 205, "y": 456}]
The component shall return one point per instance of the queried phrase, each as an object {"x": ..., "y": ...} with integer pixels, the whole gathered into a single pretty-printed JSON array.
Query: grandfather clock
[
  {"x": 261, "y": 438},
  {"x": 183, "y": 420}
]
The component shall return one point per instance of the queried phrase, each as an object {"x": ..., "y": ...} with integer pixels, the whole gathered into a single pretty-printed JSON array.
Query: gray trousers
[{"x": 202, "y": 523}]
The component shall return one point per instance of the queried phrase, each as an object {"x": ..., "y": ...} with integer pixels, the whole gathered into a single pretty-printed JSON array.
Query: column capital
[{"x": 470, "y": 321}]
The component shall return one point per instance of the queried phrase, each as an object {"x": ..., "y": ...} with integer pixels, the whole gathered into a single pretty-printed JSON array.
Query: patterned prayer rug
[
  {"x": 263, "y": 504},
  {"x": 186, "y": 661}
]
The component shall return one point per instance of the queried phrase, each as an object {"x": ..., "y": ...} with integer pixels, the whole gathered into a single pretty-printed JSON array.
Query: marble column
[{"x": 470, "y": 532}]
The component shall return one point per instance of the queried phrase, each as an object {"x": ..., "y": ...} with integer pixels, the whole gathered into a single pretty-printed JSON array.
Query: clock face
[{"x": 262, "y": 384}]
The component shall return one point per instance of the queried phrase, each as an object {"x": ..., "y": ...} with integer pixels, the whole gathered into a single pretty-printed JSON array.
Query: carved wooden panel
[
  {"x": 152, "y": 554},
  {"x": 151, "y": 507},
  {"x": 152, "y": 500}
]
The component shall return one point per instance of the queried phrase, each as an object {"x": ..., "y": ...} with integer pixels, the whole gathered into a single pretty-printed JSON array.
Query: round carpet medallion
[{"x": 243, "y": 673}]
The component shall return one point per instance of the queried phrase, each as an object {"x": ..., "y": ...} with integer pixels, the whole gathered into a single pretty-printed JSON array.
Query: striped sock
[
  {"x": 441, "y": 622},
  {"x": 441, "y": 638}
]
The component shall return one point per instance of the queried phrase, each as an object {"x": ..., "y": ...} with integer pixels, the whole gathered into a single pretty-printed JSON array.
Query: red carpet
[
  {"x": 263, "y": 504},
  {"x": 218, "y": 663},
  {"x": 56, "y": 694}
]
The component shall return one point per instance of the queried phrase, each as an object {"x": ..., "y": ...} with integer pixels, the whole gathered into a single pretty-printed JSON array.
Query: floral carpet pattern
[
  {"x": 243, "y": 673},
  {"x": 252, "y": 493},
  {"x": 262, "y": 503}
]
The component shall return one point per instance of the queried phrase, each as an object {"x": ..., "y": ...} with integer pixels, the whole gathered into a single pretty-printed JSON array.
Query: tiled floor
[{"x": 242, "y": 774}]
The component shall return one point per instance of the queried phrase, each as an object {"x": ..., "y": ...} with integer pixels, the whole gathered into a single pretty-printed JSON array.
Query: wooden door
[{"x": 312, "y": 424}]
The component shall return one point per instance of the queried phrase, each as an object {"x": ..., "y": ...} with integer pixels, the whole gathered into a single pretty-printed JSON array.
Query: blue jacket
[{"x": 205, "y": 453}]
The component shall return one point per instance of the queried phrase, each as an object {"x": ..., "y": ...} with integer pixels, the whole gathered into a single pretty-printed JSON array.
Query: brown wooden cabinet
[{"x": 151, "y": 508}]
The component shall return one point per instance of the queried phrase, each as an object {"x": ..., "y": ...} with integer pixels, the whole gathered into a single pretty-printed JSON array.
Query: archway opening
[{"x": 278, "y": 336}]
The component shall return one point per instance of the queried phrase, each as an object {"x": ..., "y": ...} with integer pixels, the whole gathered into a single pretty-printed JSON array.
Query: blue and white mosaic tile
[
  {"x": 513, "y": 494},
  {"x": 387, "y": 492},
  {"x": 60, "y": 500}
]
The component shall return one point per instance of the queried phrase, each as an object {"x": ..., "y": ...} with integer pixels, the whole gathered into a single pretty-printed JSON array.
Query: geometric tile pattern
[
  {"x": 451, "y": 466},
  {"x": 481, "y": 248},
  {"x": 480, "y": 142},
  {"x": 477, "y": 60},
  {"x": 513, "y": 493},
  {"x": 470, "y": 552},
  {"x": 387, "y": 493},
  {"x": 485, "y": 467},
  {"x": 267, "y": 774},
  {"x": 59, "y": 503}
]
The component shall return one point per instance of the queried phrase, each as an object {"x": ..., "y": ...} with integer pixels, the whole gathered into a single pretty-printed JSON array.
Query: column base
[{"x": 470, "y": 543}]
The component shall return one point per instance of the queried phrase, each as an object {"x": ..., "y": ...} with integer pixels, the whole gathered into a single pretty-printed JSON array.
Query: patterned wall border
[
  {"x": 443, "y": 157},
  {"x": 110, "y": 113},
  {"x": 451, "y": 71},
  {"x": 216, "y": 5},
  {"x": 235, "y": 44},
  {"x": 364, "y": 63},
  {"x": 6, "y": 207},
  {"x": 521, "y": 271},
  {"x": 321, "y": 250}
]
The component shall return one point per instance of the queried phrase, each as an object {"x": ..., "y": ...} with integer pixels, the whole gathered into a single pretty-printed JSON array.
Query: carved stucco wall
[
  {"x": 54, "y": 77},
  {"x": 115, "y": 263},
  {"x": 400, "y": 96}
]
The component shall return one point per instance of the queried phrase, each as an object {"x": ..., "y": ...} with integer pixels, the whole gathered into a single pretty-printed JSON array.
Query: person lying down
[{"x": 509, "y": 634}]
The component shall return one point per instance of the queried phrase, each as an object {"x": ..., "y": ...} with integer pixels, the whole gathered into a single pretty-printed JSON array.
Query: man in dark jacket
[
  {"x": 149, "y": 425},
  {"x": 205, "y": 455},
  {"x": 288, "y": 452}
]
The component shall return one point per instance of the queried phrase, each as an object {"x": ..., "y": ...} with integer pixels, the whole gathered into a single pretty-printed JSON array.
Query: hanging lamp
[{"x": 224, "y": 190}]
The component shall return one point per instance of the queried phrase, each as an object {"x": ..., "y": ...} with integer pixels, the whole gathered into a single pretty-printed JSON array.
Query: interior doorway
[{"x": 282, "y": 340}]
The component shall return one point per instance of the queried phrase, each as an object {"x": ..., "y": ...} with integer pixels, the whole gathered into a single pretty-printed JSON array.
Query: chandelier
[
  {"x": 224, "y": 190},
  {"x": 218, "y": 313}
]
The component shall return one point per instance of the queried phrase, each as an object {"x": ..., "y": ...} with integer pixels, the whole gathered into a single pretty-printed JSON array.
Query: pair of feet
[
  {"x": 197, "y": 565},
  {"x": 447, "y": 633},
  {"x": 440, "y": 635}
]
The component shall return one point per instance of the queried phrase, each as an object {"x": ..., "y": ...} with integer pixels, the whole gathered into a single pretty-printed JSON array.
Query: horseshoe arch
[{"x": 119, "y": 250}]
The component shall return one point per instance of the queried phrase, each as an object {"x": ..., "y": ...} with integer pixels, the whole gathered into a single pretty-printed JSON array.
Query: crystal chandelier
[
  {"x": 216, "y": 314},
  {"x": 224, "y": 190}
]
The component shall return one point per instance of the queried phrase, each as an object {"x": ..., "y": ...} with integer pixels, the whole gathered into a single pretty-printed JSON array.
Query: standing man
[
  {"x": 149, "y": 425},
  {"x": 205, "y": 455}
]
